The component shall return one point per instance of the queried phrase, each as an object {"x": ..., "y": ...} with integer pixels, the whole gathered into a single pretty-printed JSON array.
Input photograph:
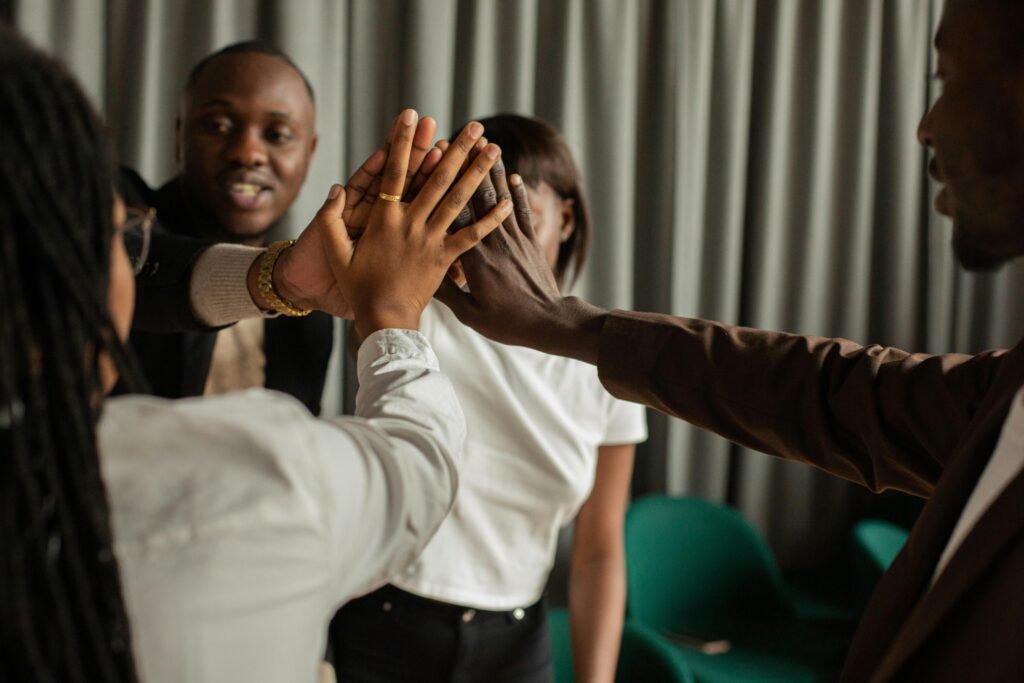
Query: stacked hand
[{"x": 387, "y": 276}]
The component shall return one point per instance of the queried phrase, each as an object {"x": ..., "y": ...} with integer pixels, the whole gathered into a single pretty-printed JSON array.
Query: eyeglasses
[{"x": 138, "y": 224}]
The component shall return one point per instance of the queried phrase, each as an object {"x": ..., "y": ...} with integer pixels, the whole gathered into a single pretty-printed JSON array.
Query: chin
[
  {"x": 240, "y": 231},
  {"x": 972, "y": 256}
]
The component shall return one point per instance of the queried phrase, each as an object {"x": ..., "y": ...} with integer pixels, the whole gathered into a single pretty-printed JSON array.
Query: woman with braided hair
[{"x": 224, "y": 531}]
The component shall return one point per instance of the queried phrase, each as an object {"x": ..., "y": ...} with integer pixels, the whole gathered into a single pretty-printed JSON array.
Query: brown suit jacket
[{"x": 883, "y": 418}]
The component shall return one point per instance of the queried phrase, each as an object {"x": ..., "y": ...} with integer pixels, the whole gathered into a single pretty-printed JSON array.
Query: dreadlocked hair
[{"x": 62, "y": 614}]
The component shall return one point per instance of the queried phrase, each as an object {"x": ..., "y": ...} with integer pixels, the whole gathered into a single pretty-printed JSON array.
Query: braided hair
[{"x": 62, "y": 614}]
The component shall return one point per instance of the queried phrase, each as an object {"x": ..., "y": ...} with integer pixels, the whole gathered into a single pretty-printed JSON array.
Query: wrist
[
  {"x": 572, "y": 328},
  {"x": 284, "y": 286},
  {"x": 373, "y": 318},
  {"x": 264, "y": 293}
]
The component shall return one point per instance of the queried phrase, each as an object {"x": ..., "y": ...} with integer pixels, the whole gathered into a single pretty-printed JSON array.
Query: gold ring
[{"x": 390, "y": 197}]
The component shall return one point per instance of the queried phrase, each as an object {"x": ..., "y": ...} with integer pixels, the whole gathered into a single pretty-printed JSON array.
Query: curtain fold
[{"x": 752, "y": 161}]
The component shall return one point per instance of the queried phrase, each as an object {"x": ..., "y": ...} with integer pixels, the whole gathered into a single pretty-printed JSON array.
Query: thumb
[
  {"x": 452, "y": 296},
  {"x": 334, "y": 236}
]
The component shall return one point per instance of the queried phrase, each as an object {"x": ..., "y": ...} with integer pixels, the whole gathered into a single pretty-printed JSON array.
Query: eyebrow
[{"x": 221, "y": 102}]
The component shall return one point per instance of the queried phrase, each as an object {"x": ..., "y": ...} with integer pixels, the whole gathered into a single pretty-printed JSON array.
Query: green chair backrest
[
  {"x": 876, "y": 543},
  {"x": 561, "y": 645},
  {"x": 880, "y": 541},
  {"x": 692, "y": 564},
  {"x": 644, "y": 657}
]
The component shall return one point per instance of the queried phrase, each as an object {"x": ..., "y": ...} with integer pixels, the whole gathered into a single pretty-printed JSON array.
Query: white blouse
[{"x": 241, "y": 522}]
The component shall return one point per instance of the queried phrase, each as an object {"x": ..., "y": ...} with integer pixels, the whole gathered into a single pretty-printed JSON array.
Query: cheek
[
  {"x": 291, "y": 169},
  {"x": 121, "y": 295},
  {"x": 548, "y": 228}
]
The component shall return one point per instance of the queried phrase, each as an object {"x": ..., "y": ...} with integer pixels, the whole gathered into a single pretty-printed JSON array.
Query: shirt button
[
  {"x": 518, "y": 613},
  {"x": 386, "y": 606},
  {"x": 468, "y": 615}
]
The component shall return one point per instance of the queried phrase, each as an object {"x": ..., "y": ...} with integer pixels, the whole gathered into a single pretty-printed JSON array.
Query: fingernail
[
  {"x": 515, "y": 180},
  {"x": 409, "y": 117},
  {"x": 476, "y": 129},
  {"x": 504, "y": 206},
  {"x": 492, "y": 151},
  {"x": 334, "y": 191}
]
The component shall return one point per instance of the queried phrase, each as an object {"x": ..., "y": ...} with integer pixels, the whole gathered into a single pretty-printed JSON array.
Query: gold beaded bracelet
[{"x": 265, "y": 281}]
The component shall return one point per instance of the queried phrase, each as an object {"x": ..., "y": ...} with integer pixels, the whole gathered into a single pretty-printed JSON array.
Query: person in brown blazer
[{"x": 947, "y": 427}]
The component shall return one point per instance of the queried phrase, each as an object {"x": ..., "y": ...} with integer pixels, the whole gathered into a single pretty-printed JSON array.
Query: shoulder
[
  {"x": 261, "y": 424},
  {"x": 133, "y": 188}
]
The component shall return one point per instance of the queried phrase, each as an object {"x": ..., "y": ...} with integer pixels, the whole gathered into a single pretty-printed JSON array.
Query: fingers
[
  {"x": 462, "y": 241},
  {"x": 337, "y": 245},
  {"x": 521, "y": 205},
  {"x": 454, "y": 298},
  {"x": 463, "y": 190},
  {"x": 361, "y": 181},
  {"x": 447, "y": 170},
  {"x": 397, "y": 166},
  {"x": 430, "y": 162},
  {"x": 422, "y": 142},
  {"x": 486, "y": 197}
]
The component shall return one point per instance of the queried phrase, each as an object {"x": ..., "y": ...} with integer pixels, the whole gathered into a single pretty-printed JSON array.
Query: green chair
[
  {"x": 702, "y": 579},
  {"x": 643, "y": 656},
  {"x": 875, "y": 545}
]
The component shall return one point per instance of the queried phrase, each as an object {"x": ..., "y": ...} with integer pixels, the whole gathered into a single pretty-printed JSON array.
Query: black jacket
[{"x": 175, "y": 363}]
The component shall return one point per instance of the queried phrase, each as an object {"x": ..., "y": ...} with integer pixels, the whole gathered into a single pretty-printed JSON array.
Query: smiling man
[{"x": 245, "y": 135}]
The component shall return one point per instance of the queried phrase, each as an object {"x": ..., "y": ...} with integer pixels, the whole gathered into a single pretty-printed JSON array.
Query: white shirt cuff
[{"x": 395, "y": 345}]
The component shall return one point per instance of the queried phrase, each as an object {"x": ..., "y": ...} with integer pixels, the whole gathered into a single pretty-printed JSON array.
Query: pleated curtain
[{"x": 751, "y": 161}]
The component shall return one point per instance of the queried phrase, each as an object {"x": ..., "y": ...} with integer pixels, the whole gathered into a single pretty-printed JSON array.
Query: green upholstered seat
[
  {"x": 699, "y": 574},
  {"x": 644, "y": 657},
  {"x": 875, "y": 545}
]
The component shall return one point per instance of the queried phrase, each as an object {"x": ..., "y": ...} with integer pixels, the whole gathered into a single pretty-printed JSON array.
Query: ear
[
  {"x": 312, "y": 145},
  {"x": 568, "y": 219},
  {"x": 177, "y": 140}
]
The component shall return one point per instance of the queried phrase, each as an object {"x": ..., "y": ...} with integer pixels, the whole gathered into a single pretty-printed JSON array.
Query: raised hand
[
  {"x": 392, "y": 271},
  {"x": 513, "y": 297},
  {"x": 363, "y": 187}
]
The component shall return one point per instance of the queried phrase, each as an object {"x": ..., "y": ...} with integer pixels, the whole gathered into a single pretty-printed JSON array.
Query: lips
[
  {"x": 247, "y": 194},
  {"x": 944, "y": 202}
]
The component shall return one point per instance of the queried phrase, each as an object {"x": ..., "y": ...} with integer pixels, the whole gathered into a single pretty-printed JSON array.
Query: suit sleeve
[{"x": 880, "y": 417}]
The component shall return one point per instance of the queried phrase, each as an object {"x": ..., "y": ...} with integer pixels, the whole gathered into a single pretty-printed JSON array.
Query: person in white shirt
[
  {"x": 200, "y": 540},
  {"x": 545, "y": 443}
]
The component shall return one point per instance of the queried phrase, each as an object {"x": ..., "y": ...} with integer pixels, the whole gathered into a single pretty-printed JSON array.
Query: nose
[
  {"x": 248, "y": 148},
  {"x": 924, "y": 131}
]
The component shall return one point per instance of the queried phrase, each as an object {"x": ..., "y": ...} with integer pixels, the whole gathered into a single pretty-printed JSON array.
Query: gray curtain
[{"x": 752, "y": 161}]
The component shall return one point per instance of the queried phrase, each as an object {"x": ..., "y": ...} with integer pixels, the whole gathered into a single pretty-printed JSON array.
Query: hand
[
  {"x": 391, "y": 272},
  {"x": 363, "y": 187},
  {"x": 513, "y": 297},
  {"x": 302, "y": 274}
]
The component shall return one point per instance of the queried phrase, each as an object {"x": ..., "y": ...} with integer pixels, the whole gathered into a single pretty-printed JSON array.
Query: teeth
[{"x": 245, "y": 188}]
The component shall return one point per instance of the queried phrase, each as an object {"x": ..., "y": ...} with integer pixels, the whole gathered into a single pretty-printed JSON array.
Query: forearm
[
  {"x": 400, "y": 480},
  {"x": 851, "y": 410},
  {"x": 597, "y": 602},
  {"x": 573, "y": 330}
]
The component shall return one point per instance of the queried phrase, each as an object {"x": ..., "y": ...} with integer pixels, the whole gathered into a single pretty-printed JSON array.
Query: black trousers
[{"x": 391, "y": 635}]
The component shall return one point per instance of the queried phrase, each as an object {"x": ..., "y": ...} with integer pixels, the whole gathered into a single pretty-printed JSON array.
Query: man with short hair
[
  {"x": 949, "y": 428},
  {"x": 245, "y": 135}
]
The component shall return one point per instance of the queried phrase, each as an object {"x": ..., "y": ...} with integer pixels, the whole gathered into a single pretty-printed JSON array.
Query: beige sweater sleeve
[{"x": 218, "y": 290}]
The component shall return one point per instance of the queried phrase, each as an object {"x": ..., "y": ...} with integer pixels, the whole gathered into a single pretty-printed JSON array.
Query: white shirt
[
  {"x": 534, "y": 423},
  {"x": 241, "y": 523},
  {"x": 1005, "y": 464}
]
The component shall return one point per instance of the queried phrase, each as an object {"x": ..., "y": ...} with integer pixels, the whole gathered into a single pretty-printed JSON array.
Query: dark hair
[
  {"x": 535, "y": 150},
  {"x": 243, "y": 48},
  {"x": 62, "y": 615}
]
